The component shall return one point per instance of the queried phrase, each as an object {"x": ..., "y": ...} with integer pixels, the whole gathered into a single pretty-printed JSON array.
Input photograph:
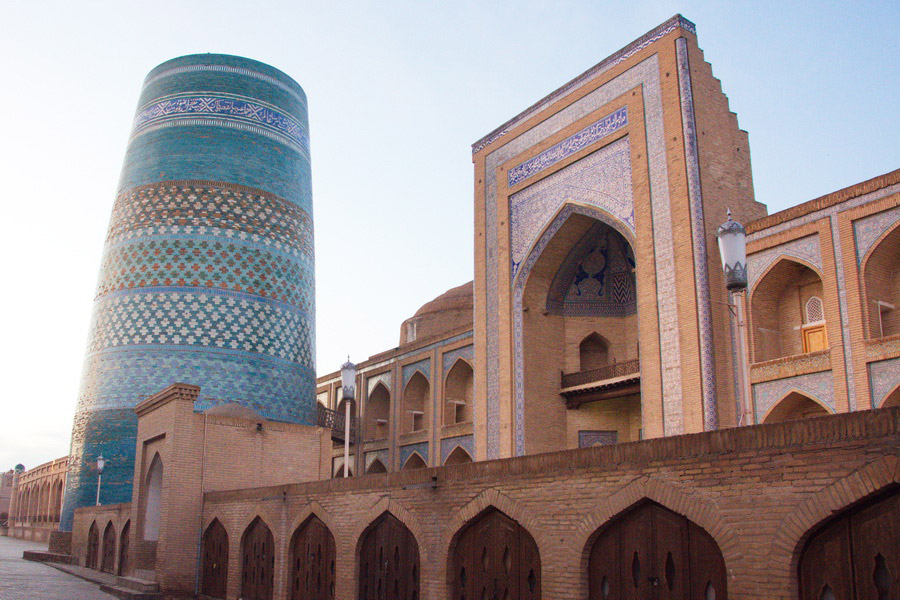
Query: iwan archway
[{"x": 576, "y": 337}]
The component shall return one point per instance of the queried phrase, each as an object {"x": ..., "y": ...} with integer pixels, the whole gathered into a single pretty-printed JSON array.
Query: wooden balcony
[
  {"x": 334, "y": 420},
  {"x": 610, "y": 381}
]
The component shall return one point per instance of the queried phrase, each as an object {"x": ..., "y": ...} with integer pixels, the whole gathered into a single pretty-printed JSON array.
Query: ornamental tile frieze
[
  {"x": 869, "y": 229},
  {"x": 884, "y": 377},
  {"x": 883, "y": 348},
  {"x": 806, "y": 249},
  {"x": 221, "y": 109},
  {"x": 790, "y": 366},
  {"x": 569, "y": 146},
  {"x": 815, "y": 385}
]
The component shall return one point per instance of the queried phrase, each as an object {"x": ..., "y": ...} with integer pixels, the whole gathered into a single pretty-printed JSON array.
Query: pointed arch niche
[
  {"x": 378, "y": 411},
  {"x": 376, "y": 467},
  {"x": 153, "y": 499},
  {"x": 881, "y": 274},
  {"x": 787, "y": 312},
  {"x": 458, "y": 457},
  {"x": 414, "y": 410},
  {"x": 580, "y": 367},
  {"x": 415, "y": 461},
  {"x": 459, "y": 391}
]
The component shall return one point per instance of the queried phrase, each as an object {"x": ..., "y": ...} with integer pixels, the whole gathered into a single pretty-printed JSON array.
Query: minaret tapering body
[{"x": 207, "y": 274}]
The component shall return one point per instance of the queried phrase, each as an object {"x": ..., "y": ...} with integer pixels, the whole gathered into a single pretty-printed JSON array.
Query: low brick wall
[
  {"x": 757, "y": 490},
  {"x": 117, "y": 514}
]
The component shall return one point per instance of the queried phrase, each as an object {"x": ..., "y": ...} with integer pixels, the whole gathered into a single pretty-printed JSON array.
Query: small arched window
[{"x": 815, "y": 312}]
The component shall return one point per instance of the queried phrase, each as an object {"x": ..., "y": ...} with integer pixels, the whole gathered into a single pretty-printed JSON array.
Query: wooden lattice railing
[{"x": 619, "y": 369}]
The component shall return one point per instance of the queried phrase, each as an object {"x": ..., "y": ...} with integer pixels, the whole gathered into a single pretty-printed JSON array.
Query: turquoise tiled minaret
[{"x": 207, "y": 274}]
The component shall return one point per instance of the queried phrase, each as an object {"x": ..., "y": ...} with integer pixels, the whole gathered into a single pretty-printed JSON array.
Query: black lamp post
[{"x": 101, "y": 462}]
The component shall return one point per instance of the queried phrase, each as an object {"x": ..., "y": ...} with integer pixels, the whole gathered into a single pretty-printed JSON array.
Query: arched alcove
[
  {"x": 312, "y": 562},
  {"x": 153, "y": 499},
  {"x": 579, "y": 319},
  {"x": 257, "y": 562},
  {"x": 376, "y": 467},
  {"x": 414, "y": 413},
  {"x": 108, "y": 562},
  {"x": 795, "y": 406},
  {"x": 339, "y": 471},
  {"x": 459, "y": 390},
  {"x": 458, "y": 457},
  {"x": 881, "y": 274},
  {"x": 892, "y": 399},
  {"x": 781, "y": 305},
  {"x": 493, "y": 556},
  {"x": 415, "y": 461},
  {"x": 389, "y": 567},
  {"x": 855, "y": 553},
  {"x": 648, "y": 549},
  {"x": 214, "y": 577},
  {"x": 378, "y": 413}
]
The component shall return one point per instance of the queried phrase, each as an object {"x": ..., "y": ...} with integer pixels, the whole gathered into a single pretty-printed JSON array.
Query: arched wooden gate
[
  {"x": 257, "y": 562},
  {"x": 108, "y": 563},
  {"x": 312, "y": 562},
  {"x": 653, "y": 553},
  {"x": 93, "y": 547},
  {"x": 856, "y": 555},
  {"x": 215, "y": 560},
  {"x": 388, "y": 562},
  {"x": 125, "y": 549},
  {"x": 495, "y": 557}
]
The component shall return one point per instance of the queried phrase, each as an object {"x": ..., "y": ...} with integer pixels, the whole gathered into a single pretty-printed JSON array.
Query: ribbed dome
[{"x": 451, "y": 310}]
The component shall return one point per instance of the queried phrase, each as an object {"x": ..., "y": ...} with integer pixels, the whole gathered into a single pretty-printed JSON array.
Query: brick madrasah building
[{"x": 572, "y": 424}]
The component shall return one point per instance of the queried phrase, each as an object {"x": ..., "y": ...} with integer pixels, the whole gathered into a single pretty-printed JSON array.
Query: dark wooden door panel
[
  {"x": 652, "y": 553},
  {"x": 215, "y": 561},
  {"x": 312, "y": 562},
  {"x": 389, "y": 562},
  {"x": 257, "y": 562},
  {"x": 108, "y": 562},
  {"x": 93, "y": 547},
  {"x": 875, "y": 540},
  {"x": 125, "y": 550}
]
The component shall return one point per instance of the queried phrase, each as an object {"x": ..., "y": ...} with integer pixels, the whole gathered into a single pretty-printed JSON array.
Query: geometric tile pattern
[
  {"x": 602, "y": 179},
  {"x": 186, "y": 208},
  {"x": 569, "y": 146},
  {"x": 449, "y": 358},
  {"x": 448, "y": 445},
  {"x": 805, "y": 248},
  {"x": 868, "y": 229},
  {"x": 815, "y": 385},
  {"x": 211, "y": 263},
  {"x": 406, "y": 452},
  {"x": 884, "y": 376},
  {"x": 228, "y": 110},
  {"x": 202, "y": 317},
  {"x": 588, "y": 438},
  {"x": 423, "y": 366}
]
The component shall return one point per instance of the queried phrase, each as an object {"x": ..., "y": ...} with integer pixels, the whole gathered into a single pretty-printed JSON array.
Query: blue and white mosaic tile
[
  {"x": 884, "y": 376},
  {"x": 423, "y": 366},
  {"x": 869, "y": 230},
  {"x": 815, "y": 385},
  {"x": 448, "y": 445}
]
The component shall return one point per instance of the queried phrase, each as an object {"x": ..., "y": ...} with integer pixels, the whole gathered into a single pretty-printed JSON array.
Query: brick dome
[{"x": 451, "y": 310}]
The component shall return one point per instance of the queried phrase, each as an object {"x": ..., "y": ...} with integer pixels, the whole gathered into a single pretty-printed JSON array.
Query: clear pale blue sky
[{"x": 398, "y": 92}]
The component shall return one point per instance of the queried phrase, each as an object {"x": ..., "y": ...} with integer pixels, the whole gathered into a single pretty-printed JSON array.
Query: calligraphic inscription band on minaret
[{"x": 207, "y": 274}]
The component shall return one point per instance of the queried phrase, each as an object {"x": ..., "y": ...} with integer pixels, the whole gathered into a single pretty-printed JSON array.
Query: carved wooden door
[
  {"x": 108, "y": 561},
  {"x": 856, "y": 556},
  {"x": 654, "y": 554},
  {"x": 215, "y": 560},
  {"x": 389, "y": 562},
  {"x": 257, "y": 562},
  {"x": 814, "y": 338},
  {"x": 93, "y": 547},
  {"x": 495, "y": 558},
  {"x": 125, "y": 550},
  {"x": 312, "y": 562}
]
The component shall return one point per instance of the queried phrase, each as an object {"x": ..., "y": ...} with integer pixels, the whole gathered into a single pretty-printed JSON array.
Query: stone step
[
  {"x": 137, "y": 584},
  {"x": 41, "y": 556},
  {"x": 129, "y": 594}
]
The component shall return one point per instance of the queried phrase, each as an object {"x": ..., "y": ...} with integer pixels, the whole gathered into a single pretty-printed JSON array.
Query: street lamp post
[
  {"x": 348, "y": 385},
  {"x": 100, "y": 464},
  {"x": 732, "y": 238}
]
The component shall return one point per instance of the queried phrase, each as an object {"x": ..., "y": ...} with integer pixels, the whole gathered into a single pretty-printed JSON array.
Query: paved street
[{"x": 24, "y": 580}]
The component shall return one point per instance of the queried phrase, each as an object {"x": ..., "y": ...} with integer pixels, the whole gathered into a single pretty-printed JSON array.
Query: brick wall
[{"x": 757, "y": 490}]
